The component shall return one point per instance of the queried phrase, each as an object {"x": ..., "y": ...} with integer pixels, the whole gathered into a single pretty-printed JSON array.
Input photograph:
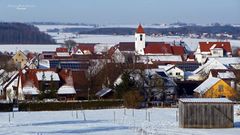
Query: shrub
[{"x": 132, "y": 99}]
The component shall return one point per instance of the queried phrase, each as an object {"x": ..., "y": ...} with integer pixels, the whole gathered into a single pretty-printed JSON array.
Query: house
[
  {"x": 230, "y": 76},
  {"x": 48, "y": 54},
  {"x": 158, "y": 59},
  {"x": 214, "y": 87},
  {"x": 191, "y": 57},
  {"x": 206, "y": 113},
  {"x": 62, "y": 52},
  {"x": 10, "y": 86},
  {"x": 217, "y": 63},
  {"x": 66, "y": 92},
  {"x": 20, "y": 59},
  {"x": 212, "y": 49},
  {"x": 188, "y": 66},
  {"x": 173, "y": 71},
  {"x": 169, "y": 84},
  {"x": 116, "y": 56},
  {"x": 73, "y": 64},
  {"x": 238, "y": 52},
  {"x": 84, "y": 49}
]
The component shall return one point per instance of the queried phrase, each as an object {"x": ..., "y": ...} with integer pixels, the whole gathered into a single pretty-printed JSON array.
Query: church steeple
[
  {"x": 140, "y": 40},
  {"x": 140, "y": 29}
]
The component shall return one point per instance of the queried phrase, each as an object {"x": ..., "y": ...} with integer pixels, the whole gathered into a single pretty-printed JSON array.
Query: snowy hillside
[{"x": 103, "y": 122}]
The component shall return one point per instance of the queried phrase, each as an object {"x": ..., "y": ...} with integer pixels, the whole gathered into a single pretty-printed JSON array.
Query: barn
[{"x": 205, "y": 113}]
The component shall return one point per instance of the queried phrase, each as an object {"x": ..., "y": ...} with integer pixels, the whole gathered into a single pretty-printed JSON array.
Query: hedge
[
  {"x": 55, "y": 106},
  {"x": 6, "y": 107}
]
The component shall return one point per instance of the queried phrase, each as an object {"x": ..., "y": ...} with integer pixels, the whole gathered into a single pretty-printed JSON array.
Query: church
[{"x": 146, "y": 51}]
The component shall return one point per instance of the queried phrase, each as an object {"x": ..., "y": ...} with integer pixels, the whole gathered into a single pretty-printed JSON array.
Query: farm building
[
  {"x": 205, "y": 113},
  {"x": 215, "y": 88}
]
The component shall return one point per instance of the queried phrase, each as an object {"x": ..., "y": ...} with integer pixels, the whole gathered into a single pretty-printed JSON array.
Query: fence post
[
  {"x": 146, "y": 113},
  {"x": 133, "y": 112},
  {"x": 9, "y": 117},
  {"x": 176, "y": 116},
  {"x": 84, "y": 116},
  {"x": 114, "y": 116},
  {"x": 76, "y": 114},
  {"x": 149, "y": 119}
]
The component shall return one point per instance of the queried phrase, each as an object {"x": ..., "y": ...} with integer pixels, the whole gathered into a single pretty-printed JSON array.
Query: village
[
  {"x": 137, "y": 74},
  {"x": 75, "y": 72}
]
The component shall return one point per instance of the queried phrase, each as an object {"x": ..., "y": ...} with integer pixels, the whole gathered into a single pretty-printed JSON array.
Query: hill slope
[{"x": 20, "y": 33}]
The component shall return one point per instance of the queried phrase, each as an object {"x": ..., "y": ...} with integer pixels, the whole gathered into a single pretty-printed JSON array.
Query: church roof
[{"x": 140, "y": 29}]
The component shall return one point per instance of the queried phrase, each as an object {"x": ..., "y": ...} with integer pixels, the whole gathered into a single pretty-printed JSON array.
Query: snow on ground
[
  {"x": 99, "y": 122},
  {"x": 28, "y": 47},
  {"x": 44, "y": 28}
]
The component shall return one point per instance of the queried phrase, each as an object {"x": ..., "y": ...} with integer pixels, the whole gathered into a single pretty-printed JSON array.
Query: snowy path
[{"x": 134, "y": 122}]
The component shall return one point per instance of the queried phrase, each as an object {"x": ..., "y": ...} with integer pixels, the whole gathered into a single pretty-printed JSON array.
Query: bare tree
[{"x": 69, "y": 44}]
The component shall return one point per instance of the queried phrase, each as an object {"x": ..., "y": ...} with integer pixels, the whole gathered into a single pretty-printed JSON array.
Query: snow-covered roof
[
  {"x": 206, "y": 85},
  {"x": 227, "y": 60},
  {"x": 147, "y": 58},
  {"x": 226, "y": 75},
  {"x": 166, "y": 67},
  {"x": 44, "y": 63},
  {"x": 66, "y": 90},
  {"x": 211, "y": 64},
  {"x": 30, "y": 90},
  {"x": 205, "y": 100},
  {"x": 2, "y": 71},
  {"x": 103, "y": 92},
  {"x": 47, "y": 76}
]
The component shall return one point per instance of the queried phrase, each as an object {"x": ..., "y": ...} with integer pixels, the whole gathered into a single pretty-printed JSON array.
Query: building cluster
[{"x": 80, "y": 72}]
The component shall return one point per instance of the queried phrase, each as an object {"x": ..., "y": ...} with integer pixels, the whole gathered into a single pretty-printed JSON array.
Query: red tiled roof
[
  {"x": 177, "y": 50},
  {"x": 30, "y": 55},
  {"x": 157, "y": 48},
  {"x": 61, "y": 49},
  {"x": 126, "y": 46},
  {"x": 30, "y": 76},
  {"x": 206, "y": 46},
  {"x": 191, "y": 56},
  {"x": 80, "y": 80},
  {"x": 84, "y": 47},
  {"x": 111, "y": 51},
  {"x": 140, "y": 29}
]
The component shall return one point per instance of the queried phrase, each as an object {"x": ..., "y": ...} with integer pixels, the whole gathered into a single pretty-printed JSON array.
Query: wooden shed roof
[{"x": 205, "y": 100}]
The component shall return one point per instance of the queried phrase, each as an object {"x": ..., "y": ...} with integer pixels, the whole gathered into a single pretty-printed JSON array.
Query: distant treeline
[
  {"x": 20, "y": 33},
  {"x": 185, "y": 30}
]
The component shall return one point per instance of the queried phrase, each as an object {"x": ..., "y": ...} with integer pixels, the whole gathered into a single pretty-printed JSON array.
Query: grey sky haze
[{"x": 121, "y": 11}]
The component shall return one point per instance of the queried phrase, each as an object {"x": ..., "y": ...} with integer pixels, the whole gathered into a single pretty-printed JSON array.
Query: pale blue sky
[{"x": 122, "y": 11}]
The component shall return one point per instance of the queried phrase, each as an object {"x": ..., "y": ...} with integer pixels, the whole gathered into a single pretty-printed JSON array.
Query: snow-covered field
[
  {"x": 102, "y": 122},
  {"x": 28, "y": 47}
]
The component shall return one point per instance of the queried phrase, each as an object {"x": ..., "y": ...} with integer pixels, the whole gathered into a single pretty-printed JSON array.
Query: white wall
[
  {"x": 140, "y": 44},
  {"x": 176, "y": 73}
]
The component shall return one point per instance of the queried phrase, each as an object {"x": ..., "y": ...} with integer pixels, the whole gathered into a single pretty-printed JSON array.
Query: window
[
  {"x": 141, "y": 36},
  {"x": 170, "y": 73},
  {"x": 177, "y": 73},
  {"x": 220, "y": 88}
]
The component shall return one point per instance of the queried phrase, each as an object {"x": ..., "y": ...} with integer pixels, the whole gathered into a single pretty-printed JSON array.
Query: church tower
[{"x": 140, "y": 40}]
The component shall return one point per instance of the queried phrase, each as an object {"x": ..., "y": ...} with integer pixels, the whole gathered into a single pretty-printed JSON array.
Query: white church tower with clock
[{"x": 140, "y": 41}]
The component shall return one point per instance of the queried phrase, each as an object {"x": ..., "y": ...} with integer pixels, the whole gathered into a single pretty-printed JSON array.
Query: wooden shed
[{"x": 205, "y": 113}]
